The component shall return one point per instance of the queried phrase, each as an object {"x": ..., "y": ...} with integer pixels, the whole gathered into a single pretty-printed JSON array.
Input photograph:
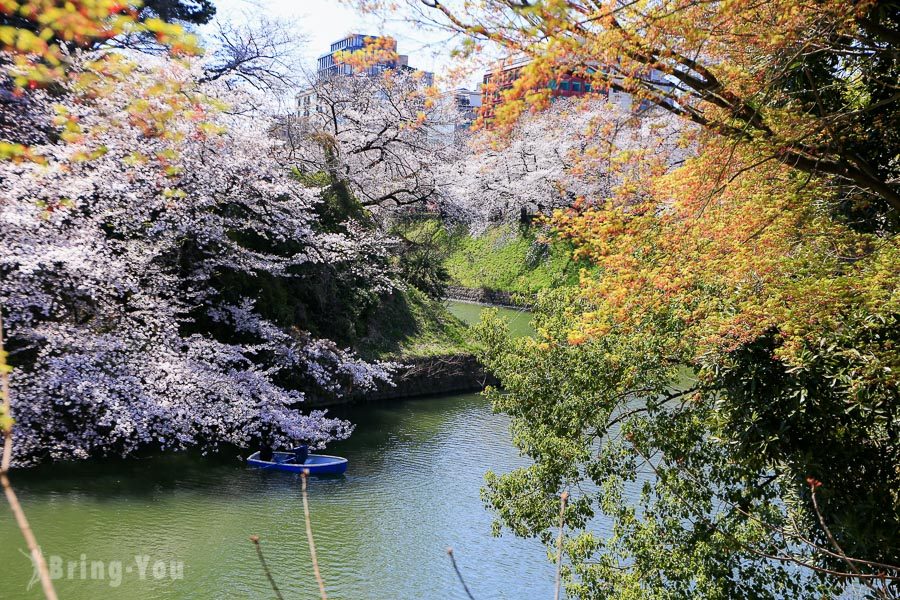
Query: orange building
[{"x": 502, "y": 78}]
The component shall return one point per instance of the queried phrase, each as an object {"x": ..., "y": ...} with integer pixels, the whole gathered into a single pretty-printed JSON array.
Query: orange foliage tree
[
  {"x": 812, "y": 85},
  {"x": 40, "y": 46},
  {"x": 735, "y": 350}
]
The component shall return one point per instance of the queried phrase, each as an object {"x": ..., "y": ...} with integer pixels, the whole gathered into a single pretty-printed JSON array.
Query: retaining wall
[
  {"x": 486, "y": 296},
  {"x": 433, "y": 376}
]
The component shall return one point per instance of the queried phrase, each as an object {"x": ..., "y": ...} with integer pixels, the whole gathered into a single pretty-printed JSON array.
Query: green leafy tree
[
  {"x": 195, "y": 12},
  {"x": 701, "y": 484}
]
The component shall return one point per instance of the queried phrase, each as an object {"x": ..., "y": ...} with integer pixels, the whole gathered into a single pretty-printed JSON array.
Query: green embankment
[
  {"x": 513, "y": 260},
  {"x": 408, "y": 325}
]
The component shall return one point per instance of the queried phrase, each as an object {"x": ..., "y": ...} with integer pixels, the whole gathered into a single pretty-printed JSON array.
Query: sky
[{"x": 325, "y": 21}]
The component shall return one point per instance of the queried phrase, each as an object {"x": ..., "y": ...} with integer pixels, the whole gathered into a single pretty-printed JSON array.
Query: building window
[
  {"x": 576, "y": 86},
  {"x": 564, "y": 86}
]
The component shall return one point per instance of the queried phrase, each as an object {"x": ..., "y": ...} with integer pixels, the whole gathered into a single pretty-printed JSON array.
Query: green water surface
[
  {"x": 519, "y": 319},
  {"x": 411, "y": 491}
]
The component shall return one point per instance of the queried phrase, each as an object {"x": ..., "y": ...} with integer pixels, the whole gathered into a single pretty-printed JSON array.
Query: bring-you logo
[{"x": 142, "y": 567}]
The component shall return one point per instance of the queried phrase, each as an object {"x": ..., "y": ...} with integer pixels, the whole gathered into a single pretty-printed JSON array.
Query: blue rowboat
[{"x": 316, "y": 464}]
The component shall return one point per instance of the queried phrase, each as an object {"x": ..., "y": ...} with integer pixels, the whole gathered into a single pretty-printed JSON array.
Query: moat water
[{"x": 178, "y": 526}]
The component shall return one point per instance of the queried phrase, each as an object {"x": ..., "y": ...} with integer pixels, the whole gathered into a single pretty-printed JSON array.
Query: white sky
[{"x": 325, "y": 21}]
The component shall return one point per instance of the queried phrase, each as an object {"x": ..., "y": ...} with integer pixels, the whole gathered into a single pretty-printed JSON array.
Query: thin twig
[
  {"x": 262, "y": 561},
  {"x": 563, "y": 500},
  {"x": 309, "y": 536},
  {"x": 37, "y": 557},
  {"x": 813, "y": 485},
  {"x": 459, "y": 573}
]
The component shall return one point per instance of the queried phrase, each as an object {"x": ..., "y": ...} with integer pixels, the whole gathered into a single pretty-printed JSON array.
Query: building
[
  {"x": 502, "y": 78},
  {"x": 307, "y": 103},
  {"x": 328, "y": 66},
  {"x": 498, "y": 80},
  {"x": 356, "y": 42},
  {"x": 468, "y": 104},
  {"x": 453, "y": 126}
]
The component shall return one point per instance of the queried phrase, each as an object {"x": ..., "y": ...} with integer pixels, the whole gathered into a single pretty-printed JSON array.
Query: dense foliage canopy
[{"x": 121, "y": 252}]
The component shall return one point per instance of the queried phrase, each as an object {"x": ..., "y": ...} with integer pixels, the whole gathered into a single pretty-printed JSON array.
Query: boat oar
[{"x": 276, "y": 462}]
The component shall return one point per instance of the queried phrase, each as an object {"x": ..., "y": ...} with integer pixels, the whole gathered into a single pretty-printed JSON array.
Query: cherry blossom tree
[
  {"x": 116, "y": 246},
  {"x": 573, "y": 151},
  {"x": 385, "y": 137},
  {"x": 260, "y": 53}
]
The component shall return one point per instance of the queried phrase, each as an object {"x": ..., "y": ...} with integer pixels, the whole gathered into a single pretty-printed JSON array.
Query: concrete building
[
  {"x": 328, "y": 66},
  {"x": 468, "y": 104},
  {"x": 307, "y": 104}
]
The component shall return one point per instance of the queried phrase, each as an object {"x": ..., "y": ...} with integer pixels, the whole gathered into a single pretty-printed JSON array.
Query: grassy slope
[
  {"x": 409, "y": 324},
  {"x": 506, "y": 259}
]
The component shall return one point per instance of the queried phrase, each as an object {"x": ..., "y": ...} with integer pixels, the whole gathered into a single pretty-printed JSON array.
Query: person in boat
[
  {"x": 301, "y": 453},
  {"x": 265, "y": 449}
]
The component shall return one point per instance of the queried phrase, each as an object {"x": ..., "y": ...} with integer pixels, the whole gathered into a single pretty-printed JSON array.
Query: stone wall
[
  {"x": 485, "y": 296},
  {"x": 433, "y": 376}
]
